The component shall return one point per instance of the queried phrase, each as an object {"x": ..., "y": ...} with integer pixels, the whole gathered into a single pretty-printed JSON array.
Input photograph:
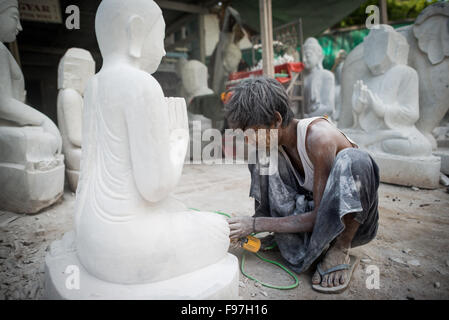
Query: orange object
[{"x": 251, "y": 243}]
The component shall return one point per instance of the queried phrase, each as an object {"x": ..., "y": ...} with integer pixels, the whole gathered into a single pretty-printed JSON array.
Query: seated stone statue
[
  {"x": 132, "y": 238},
  {"x": 75, "y": 69},
  {"x": 318, "y": 83},
  {"x": 385, "y": 101},
  {"x": 31, "y": 164}
]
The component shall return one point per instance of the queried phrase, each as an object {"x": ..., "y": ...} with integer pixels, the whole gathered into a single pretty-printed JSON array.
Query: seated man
[{"x": 323, "y": 193}]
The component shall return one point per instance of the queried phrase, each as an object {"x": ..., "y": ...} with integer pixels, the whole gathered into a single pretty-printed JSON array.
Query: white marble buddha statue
[
  {"x": 31, "y": 166},
  {"x": 75, "y": 68},
  {"x": 385, "y": 100},
  {"x": 319, "y": 84},
  {"x": 129, "y": 230},
  {"x": 194, "y": 80}
]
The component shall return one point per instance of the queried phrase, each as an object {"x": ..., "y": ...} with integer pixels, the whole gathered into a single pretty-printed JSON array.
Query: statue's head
[
  {"x": 313, "y": 54},
  {"x": 133, "y": 29},
  {"x": 383, "y": 48},
  {"x": 9, "y": 20},
  {"x": 194, "y": 76},
  {"x": 75, "y": 69}
]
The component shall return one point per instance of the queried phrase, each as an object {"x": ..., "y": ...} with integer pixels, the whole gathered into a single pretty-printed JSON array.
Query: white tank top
[{"x": 303, "y": 125}]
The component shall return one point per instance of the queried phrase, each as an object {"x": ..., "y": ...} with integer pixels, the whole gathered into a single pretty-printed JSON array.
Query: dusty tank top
[{"x": 307, "y": 181}]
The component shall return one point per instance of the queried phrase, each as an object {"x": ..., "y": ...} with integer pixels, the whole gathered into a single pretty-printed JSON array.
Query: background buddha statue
[
  {"x": 385, "y": 99},
  {"x": 318, "y": 83},
  {"x": 75, "y": 69},
  {"x": 31, "y": 164}
]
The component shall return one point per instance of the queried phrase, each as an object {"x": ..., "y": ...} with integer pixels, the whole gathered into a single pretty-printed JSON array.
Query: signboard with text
[{"x": 40, "y": 10}]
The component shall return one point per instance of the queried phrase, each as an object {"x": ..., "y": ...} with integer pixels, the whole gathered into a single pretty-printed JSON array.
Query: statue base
[
  {"x": 443, "y": 153},
  {"x": 66, "y": 278},
  {"x": 28, "y": 190},
  {"x": 72, "y": 179},
  {"x": 423, "y": 172}
]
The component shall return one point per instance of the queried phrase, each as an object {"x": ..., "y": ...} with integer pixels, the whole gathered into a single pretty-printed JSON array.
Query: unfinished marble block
[
  {"x": 75, "y": 68},
  {"x": 132, "y": 239},
  {"x": 319, "y": 84},
  {"x": 31, "y": 164}
]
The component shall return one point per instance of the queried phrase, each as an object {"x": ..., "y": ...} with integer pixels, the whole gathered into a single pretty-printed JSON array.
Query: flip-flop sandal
[{"x": 354, "y": 261}]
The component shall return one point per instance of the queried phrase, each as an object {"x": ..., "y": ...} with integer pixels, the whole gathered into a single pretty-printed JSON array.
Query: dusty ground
[{"x": 414, "y": 229}]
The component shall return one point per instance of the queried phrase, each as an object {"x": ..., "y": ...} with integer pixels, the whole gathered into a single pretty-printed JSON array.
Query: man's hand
[{"x": 240, "y": 227}]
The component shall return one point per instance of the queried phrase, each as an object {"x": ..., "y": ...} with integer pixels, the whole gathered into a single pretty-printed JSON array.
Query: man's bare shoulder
[
  {"x": 321, "y": 131},
  {"x": 322, "y": 135}
]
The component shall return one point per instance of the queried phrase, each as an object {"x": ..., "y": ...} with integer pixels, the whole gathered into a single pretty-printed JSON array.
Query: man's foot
[{"x": 334, "y": 257}]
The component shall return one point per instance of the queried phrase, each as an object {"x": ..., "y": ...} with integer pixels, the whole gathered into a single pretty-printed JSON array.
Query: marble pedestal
[
  {"x": 38, "y": 188},
  {"x": 31, "y": 175},
  {"x": 33, "y": 196},
  {"x": 422, "y": 172},
  {"x": 216, "y": 281}
]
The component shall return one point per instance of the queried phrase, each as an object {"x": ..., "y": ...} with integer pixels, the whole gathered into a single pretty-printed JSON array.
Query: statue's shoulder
[
  {"x": 327, "y": 74},
  {"x": 127, "y": 78},
  {"x": 68, "y": 95}
]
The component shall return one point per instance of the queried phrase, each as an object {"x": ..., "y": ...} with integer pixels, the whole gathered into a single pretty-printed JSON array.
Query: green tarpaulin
[{"x": 317, "y": 15}]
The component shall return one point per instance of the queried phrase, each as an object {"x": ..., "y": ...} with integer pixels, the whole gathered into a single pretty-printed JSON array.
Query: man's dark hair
[{"x": 254, "y": 101}]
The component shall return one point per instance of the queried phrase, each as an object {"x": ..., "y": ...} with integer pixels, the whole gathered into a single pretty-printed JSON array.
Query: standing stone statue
[
  {"x": 132, "y": 239},
  {"x": 385, "y": 110},
  {"x": 75, "y": 68},
  {"x": 31, "y": 164},
  {"x": 318, "y": 83}
]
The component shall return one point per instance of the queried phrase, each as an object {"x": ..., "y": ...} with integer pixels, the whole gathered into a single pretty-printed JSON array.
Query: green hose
[{"x": 266, "y": 260}]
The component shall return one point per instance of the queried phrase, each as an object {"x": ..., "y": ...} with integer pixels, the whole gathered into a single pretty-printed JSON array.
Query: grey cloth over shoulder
[{"x": 351, "y": 188}]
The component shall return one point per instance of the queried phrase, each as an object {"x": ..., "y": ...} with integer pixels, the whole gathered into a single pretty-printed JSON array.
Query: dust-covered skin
[{"x": 323, "y": 142}]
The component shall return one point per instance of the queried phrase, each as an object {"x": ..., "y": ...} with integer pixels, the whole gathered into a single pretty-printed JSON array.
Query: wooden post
[
  {"x": 383, "y": 12},
  {"x": 266, "y": 31},
  {"x": 202, "y": 36},
  {"x": 301, "y": 75}
]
